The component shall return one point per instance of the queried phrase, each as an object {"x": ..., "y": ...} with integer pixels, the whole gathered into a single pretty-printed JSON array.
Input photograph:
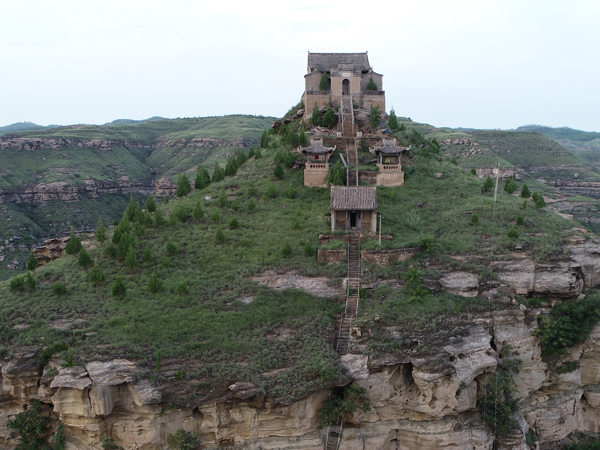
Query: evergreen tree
[
  {"x": 218, "y": 173},
  {"x": 251, "y": 153},
  {"x": 150, "y": 205},
  {"x": 510, "y": 186},
  {"x": 17, "y": 284},
  {"x": 130, "y": 211},
  {"x": 131, "y": 260},
  {"x": 74, "y": 244},
  {"x": 525, "y": 192},
  {"x": 59, "y": 288},
  {"x": 159, "y": 219},
  {"x": 282, "y": 130},
  {"x": 198, "y": 213},
  {"x": 110, "y": 250},
  {"x": 30, "y": 281},
  {"x": 148, "y": 254},
  {"x": 520, "y": 219},
  {"x": 101, "y": 234},
  {"x": 393, "y": 121},
  {"x": 84, "y": 260},
  {"x": 488, "y": 184},
  {"x": 96, "y": 275},
  {"x": 124, "y": 226},
  {"x": 155, "y": 283},
  {"x": 234, "y": 224},
  {"x": 290, "y": 192},
  {"x": 315, "y": 119},
  {"x": 474, "y": 218},
  {"x": 278, "y": 172},
  {"x": 183, "y": 185},
  {"x": 124, "y": 244},
  {"x": 538, "y": 198},
  {"x": 473, "y": 171},
  {"x": 119, "y": 289},
  {"x": 325, "y": 83},
  {"x": 374, "y": 117},
  {"x": 302, "y": 139},
  {"x": 264, "y": 140},
  {"x": 329, "y": 118},
  {"x": 512, "y": 233},
  {"x": 371, "y": 85},
  {"x": 219, "y": 236},
  {"x": 271, "y": 191},
  {"x": 257, "y": 153},
  {"x": 32, "y": 262},
  {"x": 182, "y": 288},
  {"x": 251, "y": 206},
  {"x": 216, "y": 216},
  {"x": 148, "y": 222},
  {"x": 222, "y": 201},
  {"x": 337, "y": 175},
  {"x": 252, "y": 191},
  {"x": 202, "y": 178},
  {"x": 171, "y": 248}
]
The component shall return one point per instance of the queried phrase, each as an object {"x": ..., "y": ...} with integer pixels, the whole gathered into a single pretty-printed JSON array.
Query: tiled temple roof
[{"x": 353, "y": 198}]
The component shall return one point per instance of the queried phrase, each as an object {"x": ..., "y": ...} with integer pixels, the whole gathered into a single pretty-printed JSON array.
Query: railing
[
  {"x": 373, "y": 92},
  {"x": 318, "y": 92},
  {"x": 317, "y": 166}
]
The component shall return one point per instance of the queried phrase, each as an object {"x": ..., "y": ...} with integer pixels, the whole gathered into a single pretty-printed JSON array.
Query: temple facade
[{"x": 349, "y": 74}]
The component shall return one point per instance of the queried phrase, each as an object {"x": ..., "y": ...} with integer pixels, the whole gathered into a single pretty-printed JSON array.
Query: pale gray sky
[{"x": 459, "y": 63}]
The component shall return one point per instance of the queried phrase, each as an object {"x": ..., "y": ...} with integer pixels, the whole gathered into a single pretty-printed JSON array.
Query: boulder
[{"x": 460, "y": 283}]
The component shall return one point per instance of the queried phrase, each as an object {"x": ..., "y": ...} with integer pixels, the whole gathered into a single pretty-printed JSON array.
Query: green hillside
[{"x": 211, "y": 320}]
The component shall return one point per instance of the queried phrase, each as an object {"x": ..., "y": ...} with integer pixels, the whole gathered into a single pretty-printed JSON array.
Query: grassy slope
[{"x": 219, "y": 336}]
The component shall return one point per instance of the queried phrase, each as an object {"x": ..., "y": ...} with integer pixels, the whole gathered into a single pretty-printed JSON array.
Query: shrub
[
  {"x": 286, "y": 250},
  {"x": 182, "y": 288},
  {"x": 216, "y": 216},
  {"x": 159, "y": 219},
  {"x": 392, "y": 122},
  {"x": 17, "y": 284},
  {"x": 512, "y": 233},
  {"x": 183, "y": 440},
  {"x": 219, "y": 236},
  {"x": 498, "y": 404},
  {"x": 110, "y": 250},
  {"x": 109, "y": 444},
  {"x": 119, "y": 289},
  {"x": 278, "y": 172},
  {"x": 51, "y": 350},
  {"x": 171, "y": 248},
  {"x": 59, "y": 288},
  {"x": 181, "y": 213},
  {"x": 96, "y": 275},
  {"x": 245, "y": 242},
  {"x": 570, "y": 323},
  {"x": 525, "y": 192},
  {"x": 271, "y": 191},
  {"x": 473, "y": 171},
  {"x": 257, "y": 154},
  {"x": 520, "y": 220},
  {"x": 296, "y": 225},
  {"x": 222, "y": 201},
  {"x": 566, "y": 367},
  {"x": 74, "y": 244},
  {"x": 148, "y": 254},
  {"x": 290, "y": 192},
  {"x": 252, "y": 191},
  {"x": 30, "y": 281},
  {"x": 339, "y": 405},
  {"x": 84, "y": 260},
  {"x": 510, "y": 186},
  {"x": 524, "y": 205},
  {"x": 31, "y": 427},
  {"x": 309, "y": 250},
  {"x": 488, "y": 184},
  {"x": 154, "y": 284},
  {"x": 453, "y": 161},
  {"x": 428, "y": 244},
  {"x": 235, "y": 206},
  {"x": 474, "y": 218},
  {"x": 251, "y": 153},
  {"x": 183, "y": 185},
  {"x": 234, "y": 224},
  {"x": 251, "y": 206},
  {"x": 336, "y": 175}
]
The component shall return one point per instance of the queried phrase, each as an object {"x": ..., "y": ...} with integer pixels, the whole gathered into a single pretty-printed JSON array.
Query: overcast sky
[{"x": 481, "y": 64}]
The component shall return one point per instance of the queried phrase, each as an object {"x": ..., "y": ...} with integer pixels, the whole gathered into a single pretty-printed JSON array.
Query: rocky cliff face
[{"x": 418, "y": 400}]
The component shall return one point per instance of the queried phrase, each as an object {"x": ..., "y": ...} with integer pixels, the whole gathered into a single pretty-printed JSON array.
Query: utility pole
[
  {"x": 497, "y": 178},
  {"x": 380, "y": 230}
]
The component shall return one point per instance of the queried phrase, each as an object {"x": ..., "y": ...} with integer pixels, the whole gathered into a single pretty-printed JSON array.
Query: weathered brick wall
[
  {"x": 331, "y": 256},
  {"x": 378, "y": 79},
  {"x": 312, "y": 81},
  {"x": 323, "y": 101},
  {"x": 386, "y": 258},
  {"x": 315, "y": 177},
  {"x": 367, "y": 101},
  {"x": 367, "y": 176},
  {"x": 390, "y": 179},
  {"x": 367, "y": 220}
]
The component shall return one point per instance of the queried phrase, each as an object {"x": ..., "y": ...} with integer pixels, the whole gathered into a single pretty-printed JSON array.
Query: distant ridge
[
  {"x": 562, "y": 132},
  {"x": 131, "y": 121},
  {"x": 23, "y": 126}
]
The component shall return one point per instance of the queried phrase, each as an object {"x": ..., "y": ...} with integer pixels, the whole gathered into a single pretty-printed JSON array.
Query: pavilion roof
[
  {"x": 317, "y": 148},
  {"x": 390, "y": 148},
  {"x": 344, "y": 198},
  {"x": 327, "y": 61}
]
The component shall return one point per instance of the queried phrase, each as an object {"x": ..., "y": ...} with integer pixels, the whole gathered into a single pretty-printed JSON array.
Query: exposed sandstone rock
[
  {"x": 518, "y": 274},
  {"x": 72, "y": 377},
  {"x": 320, "y": 286},
  {"x": 460, "y": 283}
]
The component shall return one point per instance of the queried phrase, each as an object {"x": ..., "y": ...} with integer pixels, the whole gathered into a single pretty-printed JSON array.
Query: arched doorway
[{"x": 345, "y": 87}]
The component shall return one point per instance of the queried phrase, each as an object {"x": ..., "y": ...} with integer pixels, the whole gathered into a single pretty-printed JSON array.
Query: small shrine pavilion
[
  {"x": 354, "y": 208},
  {"x": 317, "y": 163},
  {"x": 389, "y": 163}
]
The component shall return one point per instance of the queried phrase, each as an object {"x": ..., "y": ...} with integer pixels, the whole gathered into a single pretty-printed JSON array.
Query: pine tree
[
  {"x": 257, "y": 154},
  {"x": 30, "y": 281},
  {"x": 171, "y": 248},
  {"x": 96, "y": 275},
  {"x": 148, "y": 222},
  {"x": 198, "y": 213},
  {"x": 374, "y": 117},
  {"x": 32, "y": 262},
  {"x": 271, "y": 191},
  {"x": 473, "y": 171},
  {"x": 520, "y": 219},
  {"x": 119, "y": 289},
  {"x": 251, "y": 206},
  {"x": 218, "y": 173},
  {"x": 302, "y": 139},
  {"x": 329, "y": 118},
  {"x": 131, "y": 260},
  {"x": 264, "y": 140},
  {"x": 216, "y": 216},
  {"x": 139, "y": 230},
  {"x": 371, "y": 85},
  {"x": 182, "y": 288},
  {"x": 538, "y": 198},
  {"x": 278, "y": 172},
  {"x": 510, "y": 186},
  {"x": 488, "y": 184},
  {"x": 525, "y": 192},
  {"x": 101, "y": 234},
  {"x": 84, "y": 260},
  {"x": 290, "y": 192},
  {"x": 183, "y": 185},
  {"x": 231, "y": 166},
  {"x": 286, "y": 250},
  {"x": 315, "y": 120},
  {"x": 512, "y": 233},
  {"x": 59, "y": 288},
  {"x": 159, "y": 219},
  {"x": 325, "y": 83},
  {"x": 393, "y": 121},
  {"x": 219, "y": 236},
  {"x": 234, "y": 224},
  {"x": 74, "y": 244},
  {"x": 474, "y": 218},
  {"x": 282, "y": 130},
  {"x": 150, "y": 205},
  {"x": 202, "y": 178},
  {"x": 148, "y": 254},
  {"x": 130, "y": 211},
  {"x": 251, "y": 153},
  {"x": 155, "y": 283},
  {"x": 222, "y": 201}
]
